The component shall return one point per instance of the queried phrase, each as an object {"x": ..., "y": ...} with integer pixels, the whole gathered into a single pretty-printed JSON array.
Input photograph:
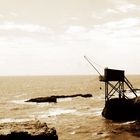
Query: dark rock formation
[
  {"x": 122, "y": 109},
  {"x": 33, "y": 130},
  {"x": 54, "y": 98},
  {"x": 43, "y": 99},
  {"x": 75, "y": 95}
]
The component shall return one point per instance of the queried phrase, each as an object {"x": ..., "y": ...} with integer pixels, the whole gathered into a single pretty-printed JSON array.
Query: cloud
[
  {"x": 121, "y": 24},
  {"x": 119, "y": 8},
  {"x": 128, "y": 8},
  {"x": 108, "y": 42},
  {"x": 73, "y": 18},
  {"x": 13, "y": 14},
  {"x": 10, "y": 26},
  {"x": 125, "y": 6},
  {"x": 73, "y": 34},
  {"x": 104, "y": 42},
  {"x": 113, "y": 30},
  {"x": 111, "y": 11},
  {"x": 1, "y": 16},
  {"x": 75, "y": 30},
  {"x": 128, "y": 27}
]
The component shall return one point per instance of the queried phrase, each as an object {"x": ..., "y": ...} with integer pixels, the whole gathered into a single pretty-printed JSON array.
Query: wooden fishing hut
[
  {"x": 115, "y": 82},
  {"x": 119, "y": 106}
]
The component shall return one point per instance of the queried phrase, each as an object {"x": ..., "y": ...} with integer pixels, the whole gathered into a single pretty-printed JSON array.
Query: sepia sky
[{"x": 51, "y": 37}]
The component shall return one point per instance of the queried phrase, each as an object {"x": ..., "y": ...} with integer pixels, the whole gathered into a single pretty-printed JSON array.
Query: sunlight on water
[
  {"x": 64, "y": 99},
  {"x": 19, "y": 101},
  {"x": 53, "y": 112}
]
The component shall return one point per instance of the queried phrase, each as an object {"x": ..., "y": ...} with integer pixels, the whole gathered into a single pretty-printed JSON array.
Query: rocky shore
[
  {"x": 31, "y": 130},
  {"x": 54, "y": 98},
  {"x": 122, "y": 109}
]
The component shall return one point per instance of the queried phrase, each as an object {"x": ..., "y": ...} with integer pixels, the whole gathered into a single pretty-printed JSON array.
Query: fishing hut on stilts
[
  {"x": 115, "y": 83},
  {"x": 119, "y": 106}
]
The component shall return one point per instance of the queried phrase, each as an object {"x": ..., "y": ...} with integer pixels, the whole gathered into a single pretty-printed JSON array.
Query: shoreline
[{"x": 28, "y": 130}]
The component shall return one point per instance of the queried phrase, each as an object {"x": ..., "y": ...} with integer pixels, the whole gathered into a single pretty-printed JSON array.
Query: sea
[{"x": 73, "y": 118}]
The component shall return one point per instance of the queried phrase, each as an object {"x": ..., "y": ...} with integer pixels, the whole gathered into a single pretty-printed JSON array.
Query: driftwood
[
  {"x": 32, "y": 130},
  {"x": 54, "y": 98}
]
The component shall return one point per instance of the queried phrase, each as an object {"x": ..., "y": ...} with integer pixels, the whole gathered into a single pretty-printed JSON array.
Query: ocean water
[{"x": 73, "y": 118}]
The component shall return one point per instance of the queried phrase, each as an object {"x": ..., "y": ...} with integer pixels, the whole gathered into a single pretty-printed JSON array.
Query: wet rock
[
  {"x": 54, "y": 98},
  {"x": 32, "y": 130},
  {"x": 86, "y": 95},
  {"x": 43, "y": 99},
  {"x": 72, "y": 96},
  {"x": 99, "y": 133},
  {"x": 122, "y": 109}
]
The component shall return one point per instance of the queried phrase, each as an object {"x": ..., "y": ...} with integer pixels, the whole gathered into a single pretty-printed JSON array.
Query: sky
[{"x": 51, "y": 37}]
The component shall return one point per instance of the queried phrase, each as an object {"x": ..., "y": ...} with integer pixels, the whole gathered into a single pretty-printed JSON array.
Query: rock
[
  {"x": 43, "y": 99},
  {"x": 86, "y": 95},
  {"x": 72, "y": 96},
  {"x": 32, "y": 130},
  {"x": 99, "y": 133},
  {"x": 54, "y": 98},
  {"x": 122, "y": 109}
]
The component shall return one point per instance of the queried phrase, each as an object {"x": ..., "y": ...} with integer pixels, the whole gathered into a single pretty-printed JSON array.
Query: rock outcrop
[
  {"x": 43, "y": 99},
  {"x": 122, "y": 109},
  {"x": 31, "y": 130},
  {"x": 54, "y": 98}
]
